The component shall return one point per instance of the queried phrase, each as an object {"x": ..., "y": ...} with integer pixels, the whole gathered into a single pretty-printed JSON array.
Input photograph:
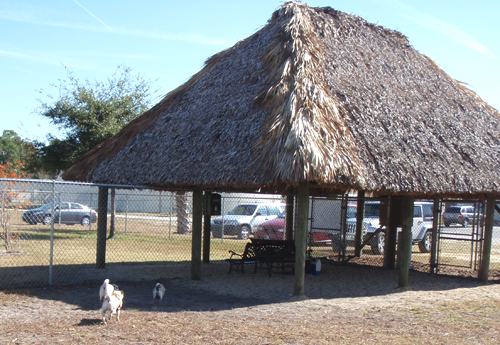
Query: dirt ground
[{"x": 341, "y": 305}]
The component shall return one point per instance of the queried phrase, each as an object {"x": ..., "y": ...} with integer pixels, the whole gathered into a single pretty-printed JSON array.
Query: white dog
[
  {"x": 106, "y": 289},
  {"x": 158, "y": 293},
  {"x": 113, "y": 303}
]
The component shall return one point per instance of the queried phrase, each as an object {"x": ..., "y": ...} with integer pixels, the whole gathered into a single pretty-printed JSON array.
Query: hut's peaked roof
[{"x": 316, "y": 95}]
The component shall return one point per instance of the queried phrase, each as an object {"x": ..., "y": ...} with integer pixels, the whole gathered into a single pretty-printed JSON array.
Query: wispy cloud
[
  {"x": 100, "y": 21},
  {"x": 35, "y": 17},
  {"x": 449, "y": 30}
]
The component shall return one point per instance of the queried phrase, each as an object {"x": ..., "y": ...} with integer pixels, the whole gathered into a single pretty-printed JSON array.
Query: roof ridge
[{"x": 305, "y": 117}]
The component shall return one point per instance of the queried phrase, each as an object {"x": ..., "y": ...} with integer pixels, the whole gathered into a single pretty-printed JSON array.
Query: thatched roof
[{"x": 317, "y": 95}]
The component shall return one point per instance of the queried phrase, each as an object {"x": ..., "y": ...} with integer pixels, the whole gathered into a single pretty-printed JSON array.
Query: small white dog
[
  {"x": 158, "y": 293},
  {"x": 106, "y": 289},
  {"x": 113, "y": 303}
]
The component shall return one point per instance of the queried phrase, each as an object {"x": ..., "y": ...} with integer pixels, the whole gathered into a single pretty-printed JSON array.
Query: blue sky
[{"x": 168, "y": 41}]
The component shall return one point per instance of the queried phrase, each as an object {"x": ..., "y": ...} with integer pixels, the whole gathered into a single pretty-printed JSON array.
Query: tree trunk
[{"x": 182, "y": 209}]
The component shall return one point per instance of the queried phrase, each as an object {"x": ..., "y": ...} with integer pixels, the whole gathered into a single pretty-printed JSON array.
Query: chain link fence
[{"x": 48, "y": 232}]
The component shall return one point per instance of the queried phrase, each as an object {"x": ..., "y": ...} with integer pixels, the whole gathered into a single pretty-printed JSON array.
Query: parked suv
[
  {"x": 244, "y": 219},
  {"x": 458, "y": 214},
  {"x": 421, "y": 229}
]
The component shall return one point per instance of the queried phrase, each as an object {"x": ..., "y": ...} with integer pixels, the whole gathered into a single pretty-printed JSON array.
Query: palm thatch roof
[{"x": 317, "y": 95}]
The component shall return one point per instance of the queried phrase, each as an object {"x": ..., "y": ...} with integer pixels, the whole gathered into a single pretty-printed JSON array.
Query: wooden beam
[
  {"x": 102, "y": 222},
  {"x": 301, "y": 237},
  {"x": 206, "y": 227},
  {"x": 289, "y": 217},
  {"x": 358, "y": 237},
  {"x": 404, "y": 245},
  {"x": 196, "y": 235},
  {"x": 484, "y": 270}
]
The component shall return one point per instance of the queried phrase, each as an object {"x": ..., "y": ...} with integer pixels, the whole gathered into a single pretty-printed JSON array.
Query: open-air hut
[{"x": 316, "y": 102}]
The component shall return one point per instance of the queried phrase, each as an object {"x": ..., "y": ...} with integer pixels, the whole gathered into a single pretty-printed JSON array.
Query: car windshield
[
  {"x": 453, "y": 210},
  {"x": 351, "y": 211},
  {"x": 372, "y": 210},
  {"x": 243, "y": 210},
  {"x": 47, "y": 206}
]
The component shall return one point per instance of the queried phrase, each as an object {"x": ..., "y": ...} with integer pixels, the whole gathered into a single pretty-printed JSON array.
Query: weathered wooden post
[
  {"x": 196, "y": 239},
  {"x": 206, "y": 226},
  {"x": 301, "y": 237},
  {"x": 358, "y": 237},
  {"x": 404, "y": 250},
  {"x": 289, "y": 217},
  {"x": 484, "y": 270},
  {"x": 102, "y": 222}
]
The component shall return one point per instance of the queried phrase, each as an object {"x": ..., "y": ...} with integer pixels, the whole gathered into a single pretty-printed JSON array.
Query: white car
[
  {"x": 244, "y": 219},
  {"x": 421, "y": 229}
]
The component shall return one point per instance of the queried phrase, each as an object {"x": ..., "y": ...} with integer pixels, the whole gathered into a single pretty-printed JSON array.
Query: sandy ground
[{"x": 343, "y": 304}]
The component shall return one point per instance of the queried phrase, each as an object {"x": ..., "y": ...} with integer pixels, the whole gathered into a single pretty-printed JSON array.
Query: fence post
[
  {"x": 289, "y": 217},
  {"x": 358, "y": 238},
  {"x": 206, "y": 227},
  {"x": 435, "y": 224},
  {"x": 170, "y": 218},
  {"x": 484, "y": 269},
  {"x": 301, "y": 237},
  {"x": 112, "y": 225},
  {"x": 391, "y": 231},
  {"x": 102, "y": 221},
  {"x": 196, "y": 240},
  {"x": 126, "y": 213},
  {"x": 51, "y": 264}
]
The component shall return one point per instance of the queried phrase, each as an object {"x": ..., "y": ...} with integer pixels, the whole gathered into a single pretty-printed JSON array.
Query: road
[{"x": 460, "y": 232}]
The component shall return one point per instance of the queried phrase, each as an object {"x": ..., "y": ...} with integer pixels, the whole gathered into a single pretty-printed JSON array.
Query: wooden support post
[
  {"x": 206, "y": 227},
  {"x": 301, "y": 237},
  {"x": 102, "y": 222},
  {"x": 404, "y": 250},
  {"x": 484, "y": 270},
  {"x": 358, "y": 237},
  {"x": 289, "y": 218},
  {"x": 436, "y": 212},
  {"x": 391, "y": 232},
  {"x": 196, "y": 239}
]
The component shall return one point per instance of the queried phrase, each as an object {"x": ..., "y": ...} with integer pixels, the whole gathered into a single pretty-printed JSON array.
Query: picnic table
[{"x": 260, "y": 253}]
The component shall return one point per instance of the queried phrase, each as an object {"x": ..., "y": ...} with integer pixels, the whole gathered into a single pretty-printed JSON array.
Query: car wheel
[
  {"x": 85, "y": 221},
  {"x": 244, "y": 232},
  {"x": 46, "y": 220},
  {"x": 378, "y": 246},
  {"x": 465, "y": 222},
  {"x": 446, "y": 223},
  {"x": 426, "y": 243}
]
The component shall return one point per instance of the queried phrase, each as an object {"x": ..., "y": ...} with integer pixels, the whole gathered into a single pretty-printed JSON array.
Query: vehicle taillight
[{"x": 460, "y": 216}]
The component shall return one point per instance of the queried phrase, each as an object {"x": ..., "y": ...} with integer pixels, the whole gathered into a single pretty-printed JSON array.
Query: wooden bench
[
  {"x": 271, "y": 252},
  {"x": 239, "y": 260}
]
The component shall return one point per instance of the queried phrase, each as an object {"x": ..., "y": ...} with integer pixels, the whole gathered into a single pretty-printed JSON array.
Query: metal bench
[
  {"x": 274, "y": 252},
  {"x": 238, "y": 261}
]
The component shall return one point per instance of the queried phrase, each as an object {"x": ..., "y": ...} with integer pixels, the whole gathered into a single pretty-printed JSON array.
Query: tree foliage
[
  {"x": 87, "y": 113},
  {"x": 16, "y": 153}
]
